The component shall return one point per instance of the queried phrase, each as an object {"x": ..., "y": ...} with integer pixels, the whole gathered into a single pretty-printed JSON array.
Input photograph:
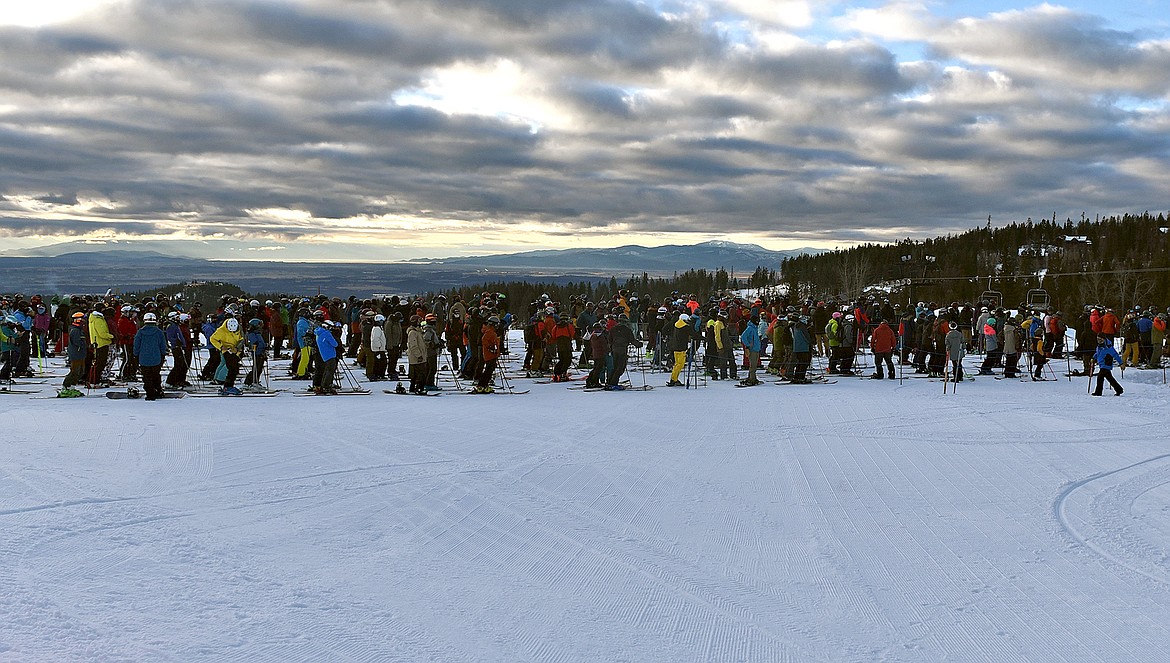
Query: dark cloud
[{"x": 209, "y": 118}]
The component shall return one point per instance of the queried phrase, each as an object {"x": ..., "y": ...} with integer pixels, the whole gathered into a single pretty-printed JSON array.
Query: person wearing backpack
[{"x": 833, "y": 331}]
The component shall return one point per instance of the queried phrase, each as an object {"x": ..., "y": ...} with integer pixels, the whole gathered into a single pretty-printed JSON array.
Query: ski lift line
[{"x": 1016, "y": 277}]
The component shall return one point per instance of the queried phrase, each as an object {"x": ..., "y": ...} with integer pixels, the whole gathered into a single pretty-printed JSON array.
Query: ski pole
[{"x": 946, "y": 371}]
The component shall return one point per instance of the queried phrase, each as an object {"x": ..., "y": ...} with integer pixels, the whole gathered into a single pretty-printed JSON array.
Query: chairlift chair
[
  {"x": 1037, "y": 299},
  {"x": 992, "y": 298}
]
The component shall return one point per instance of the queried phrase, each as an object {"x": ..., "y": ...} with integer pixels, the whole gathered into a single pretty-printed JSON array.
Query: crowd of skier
[{"x": 109, "y": 340}]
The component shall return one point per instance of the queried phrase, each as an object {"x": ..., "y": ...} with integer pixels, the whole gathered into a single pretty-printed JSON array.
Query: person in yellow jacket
[
  {"x": 100, "y": 339},
  {"x": 229, "y": 340}
]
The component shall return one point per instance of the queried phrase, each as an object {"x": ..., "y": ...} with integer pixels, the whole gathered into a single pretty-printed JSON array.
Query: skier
[
  {"x": 991, "y": 343},
  {"x": 489, "y": 344},
  {"x": 956, "y": 345},
  {"x": 257, "y": 350},
  {"x": 598, "y": 341},
  {"x": 416, "y": 355},
  {"x": 1105, "y": 358},
  {"x": 454, "y": 335},
  {"x": 562, "y": 336},
  {"x": 76, "y": 350},
  {"x": 434, "y": 343},
  {"x": 882, "y": 342},
  {"x": 1011, "y": 348},
  {"x": 848, "y": 347},
  {"x": 621, "y": 338},
  {"x": 150, "y": 348},
  {"x": 209, "y": 326},
  {"x": 802, "y": 349},
  {"x": 327, "y": 346},
  {"x": 177, "y": 342},
  {"x": 230, "y": 342},
  {"x": 376, "y": 359},
  {"x": 680, "y": 342},
  {"x": 751, "y": 342},
  {"x": 395, "y": 342},
  {"x": 100, "y": 339},
  {"x": 127, "y": 330}
]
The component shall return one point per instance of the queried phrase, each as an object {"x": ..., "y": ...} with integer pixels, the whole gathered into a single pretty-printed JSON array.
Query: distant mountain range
[
  {"x": 711, "y": 255},
  {"x": 84, "y": 267}
]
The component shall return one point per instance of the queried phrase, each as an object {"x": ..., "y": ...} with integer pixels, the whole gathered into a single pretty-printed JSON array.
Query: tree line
[{"x": 1117, "y": 261}]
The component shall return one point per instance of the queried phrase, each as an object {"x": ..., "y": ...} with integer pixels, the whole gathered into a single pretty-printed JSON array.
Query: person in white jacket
[{"x": 376, "y": 360}]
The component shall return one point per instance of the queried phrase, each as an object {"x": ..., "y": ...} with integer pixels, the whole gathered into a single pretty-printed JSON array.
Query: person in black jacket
[
  {"x": 76, "y": 350},
  {"x": 621, "y": 337}
]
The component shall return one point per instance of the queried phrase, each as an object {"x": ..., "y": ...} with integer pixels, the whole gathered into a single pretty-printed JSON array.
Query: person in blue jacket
[
  {"x": 257, "y": 350},
  {"x": 327, "y": 356},
  {"x": 751, "y": 342},
  {"x": 802, "y": 347},
  {"x": 210, "y": 324},
  {"x": 1106, "y": 357},
  {"x": 150, "y": 347},
  {"x": 1145, "y": 328}
]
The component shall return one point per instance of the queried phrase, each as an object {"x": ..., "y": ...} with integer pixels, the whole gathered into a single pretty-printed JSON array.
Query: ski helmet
[
  {"x": 232, "y": 325},
  {"x": 150, "y": 319}
]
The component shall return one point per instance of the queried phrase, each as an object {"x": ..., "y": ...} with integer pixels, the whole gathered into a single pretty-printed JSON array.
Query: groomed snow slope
[{"x": 851, "y": 522}]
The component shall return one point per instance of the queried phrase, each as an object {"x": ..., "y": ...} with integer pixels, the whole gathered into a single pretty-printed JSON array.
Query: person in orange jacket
[
  {"x": 1110, "y": 325},
  {"x": 1157, "y": 338}
]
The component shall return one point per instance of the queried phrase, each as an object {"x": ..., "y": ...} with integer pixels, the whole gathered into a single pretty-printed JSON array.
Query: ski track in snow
[{"x": 856, "y": 522}]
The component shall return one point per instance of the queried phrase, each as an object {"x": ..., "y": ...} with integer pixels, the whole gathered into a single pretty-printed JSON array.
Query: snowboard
[{"x": 242, "y": 394}]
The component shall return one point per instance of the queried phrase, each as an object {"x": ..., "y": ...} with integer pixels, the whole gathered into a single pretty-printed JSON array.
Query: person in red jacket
[
  {"x": 882, "y": 342},
  {"x": 127, "y": 328}
]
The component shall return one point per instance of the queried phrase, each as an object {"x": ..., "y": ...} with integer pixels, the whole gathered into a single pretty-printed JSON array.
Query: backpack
[{"x": 835, "y": 330}]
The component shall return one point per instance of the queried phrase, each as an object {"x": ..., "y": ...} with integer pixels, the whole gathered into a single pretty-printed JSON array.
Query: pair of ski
[
  {"x": 8, "y": 390},
  {"x": 645, "y": 387},
  {"x": 125, "y": 395}
]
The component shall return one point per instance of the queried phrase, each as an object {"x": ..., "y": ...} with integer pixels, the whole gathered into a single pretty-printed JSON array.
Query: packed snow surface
[{"x": 857, "y": 521}]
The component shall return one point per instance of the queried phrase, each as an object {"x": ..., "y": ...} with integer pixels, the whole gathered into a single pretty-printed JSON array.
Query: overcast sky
[{"x": 414, "y": 127}]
